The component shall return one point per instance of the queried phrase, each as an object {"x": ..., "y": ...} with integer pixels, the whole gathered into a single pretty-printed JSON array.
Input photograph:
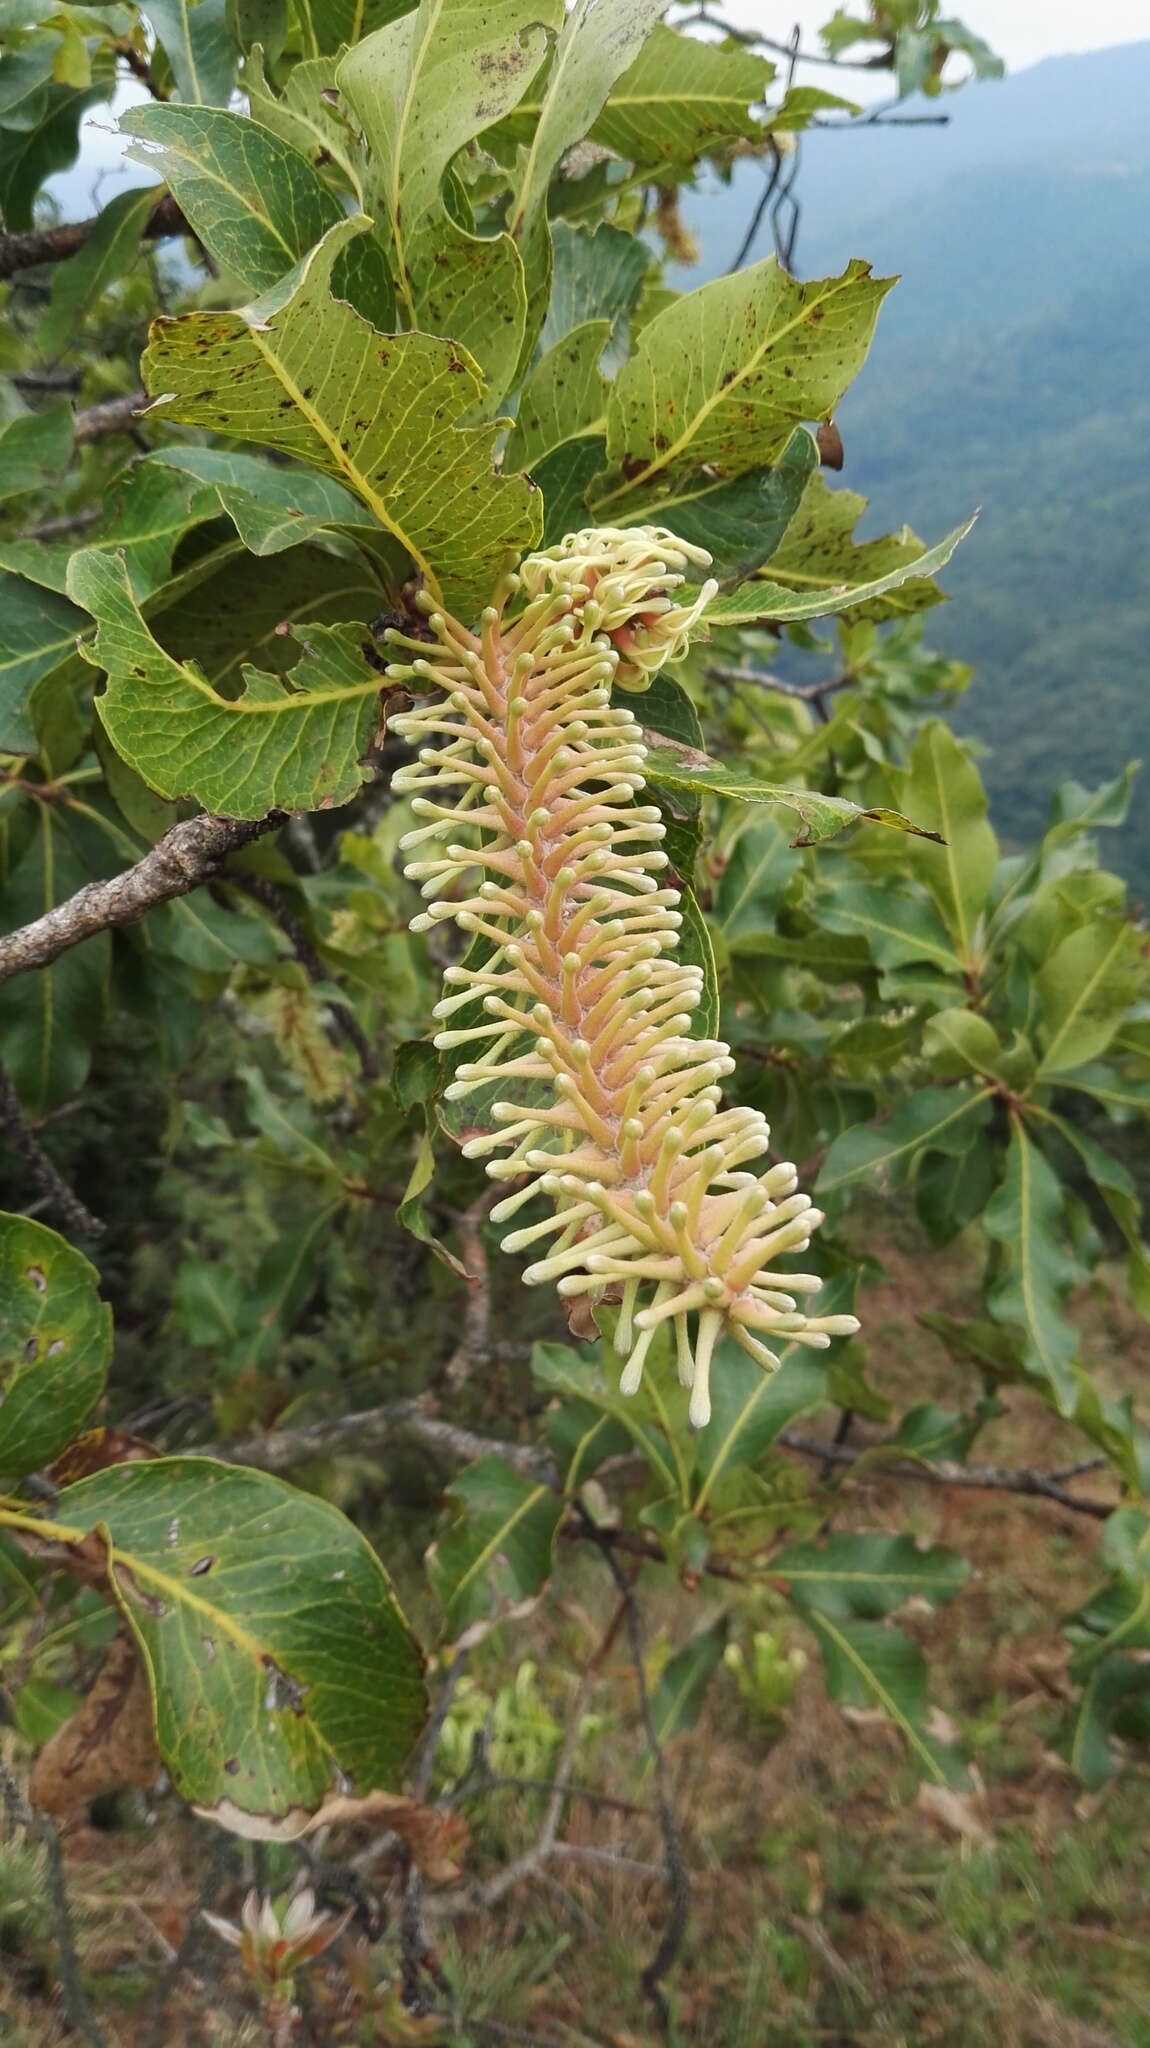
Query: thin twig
[
  {"x": 344, "y": 1019},
  {"x": 187, "y": 855},
  {"x": 370, "y": 1430},
  {"x": 64, "y": 522},
  {"x": 75, "y": 1998},
  {"x": 678, "y": 1885},
  {"x": 474, "y": 1347},
  {"x": 51, "y": 1185},
  {"x": 943, "y": 1472},
  {"x": 27, "y": 250},
  {"x": 113, "y": 416}
]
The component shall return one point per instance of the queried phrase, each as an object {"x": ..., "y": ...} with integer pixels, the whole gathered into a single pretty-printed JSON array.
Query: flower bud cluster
[{"x": 534, "y": 838}]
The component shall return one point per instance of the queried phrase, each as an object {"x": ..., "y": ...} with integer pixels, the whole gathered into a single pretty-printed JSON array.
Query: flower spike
[{"x": 531, "y": 778}]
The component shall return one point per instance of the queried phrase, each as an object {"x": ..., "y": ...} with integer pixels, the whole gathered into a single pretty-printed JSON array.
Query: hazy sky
[{"x": 1021, "y": 31}]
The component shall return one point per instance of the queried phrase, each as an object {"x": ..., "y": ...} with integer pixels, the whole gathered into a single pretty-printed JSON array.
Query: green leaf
[
  {"x": 594, "y": 1380},
  {"x": 696, "y": 950},
  {"x": 582, "y": 1437},
  {"x": 255, "y": 203},
  {"x": 740, "y": 520},
  {"x": 959, "y": 1043},
  {"x": 37, "y": 628},
  {"x": 868, "y": 1575},
  {"x": 931, "y": 1120},
  {"x": 302, "y": 116},
  {"x": 563, "y": 480},
  {"x": 198, "y": 46},
  {"x": 898, "y": 927},
  {"x": 821, "y": 816},
  {"x": 50, "y": 143},
  {"x": 55, "y": 1343},
  {"x": 952, "y": 1188},
  {"x": 48, "y": 1020},
  {"x": 819, "y": 549},
  {"x": 870, "y": 1664},
  {"x": 111, "y": 249},
  {"x": 377, "y": 412},
  {"x": 272, "y": 748},
  {"x": 666, "y": 711},
  {"x": 472, "y": 288},
  {"x": 564, "y": 396},
  {"x": 422, "y": 89},
  {"x": 328, "y": 26},
  {"x": 726, "y": 373},
  {"x": 764, "y": 602},
  {"x": 758, "y": 873},
  {"x": 1084, "y": 988},
  {"x": 943, "y": 788},
  {"x": 496, "y": 1556},
  {"x": 597, "y": 41},
  {"x": 1025, "y": 1218},
  {"x": 682, "y": 99},
  {"x": 749, "y": 1409},
  {"x": 596, "y": 275},
  {"x": 1119, "y": 1192},
  {"x": 1085, "y": 1738},
  {"x": 279, "y": 1661},
  {"x": 34, "y": 447},
  {"x": 677, "y": 1700}
]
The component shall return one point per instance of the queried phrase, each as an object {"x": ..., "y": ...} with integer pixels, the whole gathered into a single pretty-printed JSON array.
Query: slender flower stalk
[{"x": 572, "y": 997}]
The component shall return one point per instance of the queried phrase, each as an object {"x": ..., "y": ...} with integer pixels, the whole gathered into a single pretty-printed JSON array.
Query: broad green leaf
[
  {"x": 945, "y": 791},
  {"x": 1119, "y": 1192},
  {"x": 50, "y": 1019},
  {"x": 328, "y": 26},
  {"x": 279, "y": 1661},
  {"x": 149, "y": 509},
  {"x": 55, "y": 1343},
  {"x": 563, "y": 480},
  {"x": 198, "y": 46},
  {"x": 302, "y": 116},
  {"x": 931, "y": 1120},
  {"x": 423, "y": 88},
  {"x": 696, "y": 950},
  {"x": 868, "y": 1575},
  {"x": 35, "y": 447},
  {"x": 111, "y": 249},
  {"x": 596, "y": 43},
  {"x": 960, "y": 1042},
  {"x": 472, "y": 288},
  {"x": 898, "y": 927},
  {"x": 1122, "y": 1097},
  {"x": 760, "y": 868},
  {"x": 258, "y": 24},
  {"x": 1112, "y": 1688},
  {"x": 594, "y": 1379},
  {"x": 749, "y": 1408},
  {"x": 820, "y": 816},
  {"x": 564, "y": 396},
  {"x": 677, "y": 1700},
  {"x": 682, "y": 99},
  {"x": 495, "y": 1557},
  {"x": 819, "y": 549},
  {"x": 763, "y": 601},
  {"x": 1025, "y": 1218},
  {"x": 582, "y": 1437},
  {"x": 256, "y": 204},
  {"x": 271, "y": 748},
  {"x": 666, "y": 711},
  {"x": 870, "y": 1664},
  {"x": 725, "y": 374},
  {"x": 37, "y": 629},
  {"x": 596, "y": 275},
  {"x": 739, "y": 520},
  {"x": 49, "y": 143},
  {"x": 265, "y": 497},
  {"x": 377, "y": 412},
  {"x": 952, "y": 1188},
  {"x": 1084, "y": 988}
]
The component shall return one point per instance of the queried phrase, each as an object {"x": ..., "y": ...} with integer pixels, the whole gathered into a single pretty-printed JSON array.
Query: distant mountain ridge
[{"x": 1012, "y": 371}]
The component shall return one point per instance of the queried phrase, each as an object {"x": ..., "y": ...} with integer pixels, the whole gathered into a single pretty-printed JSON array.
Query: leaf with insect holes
[
  {"x": 55, "y": 1343},
  {"x": 819, "y": 548},
  {"x": 274, "y": 747},
  {"x": 682, "y": 99},
  {"x": 280, "y": 1665},
  {"x": 302, "y": 372},
  {"x": 725, "y": 374}
]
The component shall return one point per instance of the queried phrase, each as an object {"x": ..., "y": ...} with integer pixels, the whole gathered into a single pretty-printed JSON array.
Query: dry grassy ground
[{"x": 830, "y": 1905}]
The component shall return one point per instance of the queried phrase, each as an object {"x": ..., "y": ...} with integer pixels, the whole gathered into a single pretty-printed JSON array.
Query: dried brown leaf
[
  {"x": 107, "y": 1745},
  {"x": 436, "y": 1840}
]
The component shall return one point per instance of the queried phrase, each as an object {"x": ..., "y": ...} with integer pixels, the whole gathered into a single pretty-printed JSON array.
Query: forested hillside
[{"x": 1011, "y": 372}]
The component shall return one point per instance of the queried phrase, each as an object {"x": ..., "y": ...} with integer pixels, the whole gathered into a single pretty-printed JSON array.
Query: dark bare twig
[
  {"x": 75, "y": 1998},
  {"x": 371, "y": 1430},
  {"x": 814, "y": 694},
  {"x": 54, "y": 245},
  {"x": 51, "y": 1185},
  {"x": 139, "y": 67},
  {"x": 344, "y": 1019},
  {"x": 113, "y": 416},
  {"x": 943, "y": 1472},
  {"x": 47, "y": 380},
  {"x": 65, "y": 522},
  {"x": 677, "y": 1881},
  {"x": 770, "y": 185},
  {"x": 474, "y": 1346},
  {"x": 189, "y": 854}
]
